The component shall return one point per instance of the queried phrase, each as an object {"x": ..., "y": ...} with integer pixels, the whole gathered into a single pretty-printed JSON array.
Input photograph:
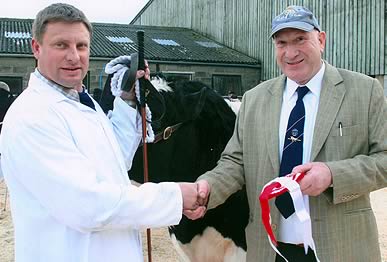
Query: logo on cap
[{"x": 289, "y": 11}]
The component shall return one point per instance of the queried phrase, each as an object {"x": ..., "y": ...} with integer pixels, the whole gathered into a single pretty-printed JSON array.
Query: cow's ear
[{"x": 193, "y": 104}]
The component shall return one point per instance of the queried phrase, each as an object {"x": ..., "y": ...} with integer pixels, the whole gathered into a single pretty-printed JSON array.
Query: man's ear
[
  {"x": 35, "y": 47},
  {"x": 322, "y": 40}
]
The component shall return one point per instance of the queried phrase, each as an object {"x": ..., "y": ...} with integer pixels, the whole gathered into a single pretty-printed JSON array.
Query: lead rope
[{"x": 118, "y": 67}]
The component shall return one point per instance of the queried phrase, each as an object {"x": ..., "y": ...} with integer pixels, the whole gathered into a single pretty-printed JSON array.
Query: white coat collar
[{"x": 55, "y": 96}]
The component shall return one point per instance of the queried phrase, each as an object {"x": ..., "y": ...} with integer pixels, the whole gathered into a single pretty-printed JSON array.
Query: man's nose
[
  {"x": 291, "y": 51},
  {"x": 72, "y": 54}
]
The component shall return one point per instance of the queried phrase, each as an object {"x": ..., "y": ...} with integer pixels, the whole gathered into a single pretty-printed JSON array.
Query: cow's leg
[
  {"x": 183, "y": 256},
  {"x": 235, "y": 254},
  {"x": 211, "y": 246}
]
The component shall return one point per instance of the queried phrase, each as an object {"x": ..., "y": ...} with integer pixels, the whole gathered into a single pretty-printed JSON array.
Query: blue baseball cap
[{"x": 297, "y": 17}]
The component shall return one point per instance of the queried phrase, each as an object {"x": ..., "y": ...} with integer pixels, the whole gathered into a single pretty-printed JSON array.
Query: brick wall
[
  {"x": 23, "y": 66},
  {"x": 17, "y": 67}
]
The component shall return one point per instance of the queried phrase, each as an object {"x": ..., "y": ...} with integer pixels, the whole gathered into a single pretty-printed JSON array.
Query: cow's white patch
[
  {"x": 211, "y": 246},
  {"x": 160, "y": 84}
]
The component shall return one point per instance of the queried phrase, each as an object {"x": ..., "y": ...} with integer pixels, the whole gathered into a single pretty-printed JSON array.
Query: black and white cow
[{"x": 202, "y": 123}]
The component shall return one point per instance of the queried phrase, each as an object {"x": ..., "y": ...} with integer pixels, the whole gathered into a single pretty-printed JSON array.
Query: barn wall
[
  {"x": 204, "y": 73},
  {"x": 356, "y": 29},
  {"x": 23, "y": 66},
  {"x": 14, "y": 66},
  {"x": 97, "y": 74},
  {"x": 17, "y": 67}
]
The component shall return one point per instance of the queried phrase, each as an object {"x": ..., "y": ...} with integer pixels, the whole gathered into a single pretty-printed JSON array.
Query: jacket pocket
[{"x": 341, "y": 129}]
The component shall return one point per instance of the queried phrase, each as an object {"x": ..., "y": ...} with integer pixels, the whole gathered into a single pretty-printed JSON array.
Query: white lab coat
[{"x": 71, "y": 199}]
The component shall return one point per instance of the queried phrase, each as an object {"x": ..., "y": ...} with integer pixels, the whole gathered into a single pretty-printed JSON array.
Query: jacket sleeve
[{"x": 228, "y": 176}]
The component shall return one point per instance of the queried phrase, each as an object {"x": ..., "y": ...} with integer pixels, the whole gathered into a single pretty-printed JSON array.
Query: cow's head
[{"x": 207, "y": 123}]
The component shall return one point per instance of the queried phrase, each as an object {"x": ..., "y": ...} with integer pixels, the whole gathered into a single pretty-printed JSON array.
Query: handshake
[{"x": 195, "y": 198}]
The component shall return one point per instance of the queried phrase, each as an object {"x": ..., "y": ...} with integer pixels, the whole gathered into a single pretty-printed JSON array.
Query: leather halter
[
  {"x": 169, "y": 130},
  {"x": 166, "y": 134}
]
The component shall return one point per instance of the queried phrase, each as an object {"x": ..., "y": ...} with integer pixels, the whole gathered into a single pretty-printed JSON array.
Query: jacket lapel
[
  {"x": 272, "y": 120},
  {"x": 331, "y": 97}
]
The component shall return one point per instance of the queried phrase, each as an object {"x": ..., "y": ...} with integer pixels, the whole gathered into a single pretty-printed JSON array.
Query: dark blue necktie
[
  {"x": 85, "y": 99},
  {"x": 293, "y": 147}
]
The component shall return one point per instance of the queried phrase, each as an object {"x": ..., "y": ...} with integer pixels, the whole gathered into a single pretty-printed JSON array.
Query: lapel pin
[{"x": 294, "y": 139}]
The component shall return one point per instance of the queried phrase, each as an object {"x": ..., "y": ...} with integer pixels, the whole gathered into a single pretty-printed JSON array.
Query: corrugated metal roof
[
  {"x": 112, "y": 40},
  {"x": 15, "y": 36}
]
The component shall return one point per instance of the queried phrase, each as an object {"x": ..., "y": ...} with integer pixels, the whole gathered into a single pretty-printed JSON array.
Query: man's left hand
[
  {"x": 131, "y": 96},
  {"x": 317, "y": 179}
]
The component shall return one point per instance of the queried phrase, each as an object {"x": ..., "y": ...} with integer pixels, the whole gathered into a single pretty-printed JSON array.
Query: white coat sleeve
[
  {"x": 127, "y": 128},
  {"x": 41, "y": 155}
]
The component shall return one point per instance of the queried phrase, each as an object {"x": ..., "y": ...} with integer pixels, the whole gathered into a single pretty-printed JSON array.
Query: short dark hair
[{"x": 58, "y": 12}]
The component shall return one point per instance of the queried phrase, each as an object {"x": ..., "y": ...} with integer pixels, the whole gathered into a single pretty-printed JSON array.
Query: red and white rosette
[{"x": 277, "y": 187}]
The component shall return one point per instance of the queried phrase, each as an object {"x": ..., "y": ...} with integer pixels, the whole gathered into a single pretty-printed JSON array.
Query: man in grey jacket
[{"x": 343, "y": 150}]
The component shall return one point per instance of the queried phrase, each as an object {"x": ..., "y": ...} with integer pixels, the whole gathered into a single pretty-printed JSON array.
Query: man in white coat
[{"x": 66, "y": 163}]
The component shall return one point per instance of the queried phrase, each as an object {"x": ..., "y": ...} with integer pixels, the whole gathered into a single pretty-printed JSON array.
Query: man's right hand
[{"x": 203, "y": 191}]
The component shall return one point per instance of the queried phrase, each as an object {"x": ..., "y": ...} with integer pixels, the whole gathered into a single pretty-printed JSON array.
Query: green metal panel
[{"x": 356, "y": 29}]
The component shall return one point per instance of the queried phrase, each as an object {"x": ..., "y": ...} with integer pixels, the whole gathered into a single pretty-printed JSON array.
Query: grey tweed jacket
[{"x": 343, "y": 223}]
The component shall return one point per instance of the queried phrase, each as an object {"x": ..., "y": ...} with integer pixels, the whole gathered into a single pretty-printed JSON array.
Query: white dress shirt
[
  {"x": 289, "y": 232},
  {"x": 66, "y": 168}
]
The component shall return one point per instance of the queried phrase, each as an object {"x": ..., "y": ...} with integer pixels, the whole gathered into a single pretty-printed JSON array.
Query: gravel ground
[{"x": 162, "y": 249}]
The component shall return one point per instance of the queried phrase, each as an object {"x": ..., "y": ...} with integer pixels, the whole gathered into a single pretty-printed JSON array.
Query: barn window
[
  {"x": 176, "y": 76},
  {"x": 165, "y": 42},
  {"x": 20, "y": 35},
  {"x": 208, "y": 44},
  {"x": 121, "y": 40},
  {"x": 15, "y": 84},
  {"x": 224, "y": 84}
]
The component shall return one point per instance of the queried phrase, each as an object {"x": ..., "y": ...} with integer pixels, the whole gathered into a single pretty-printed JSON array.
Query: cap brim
[{"x": 297, "y": 25}]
